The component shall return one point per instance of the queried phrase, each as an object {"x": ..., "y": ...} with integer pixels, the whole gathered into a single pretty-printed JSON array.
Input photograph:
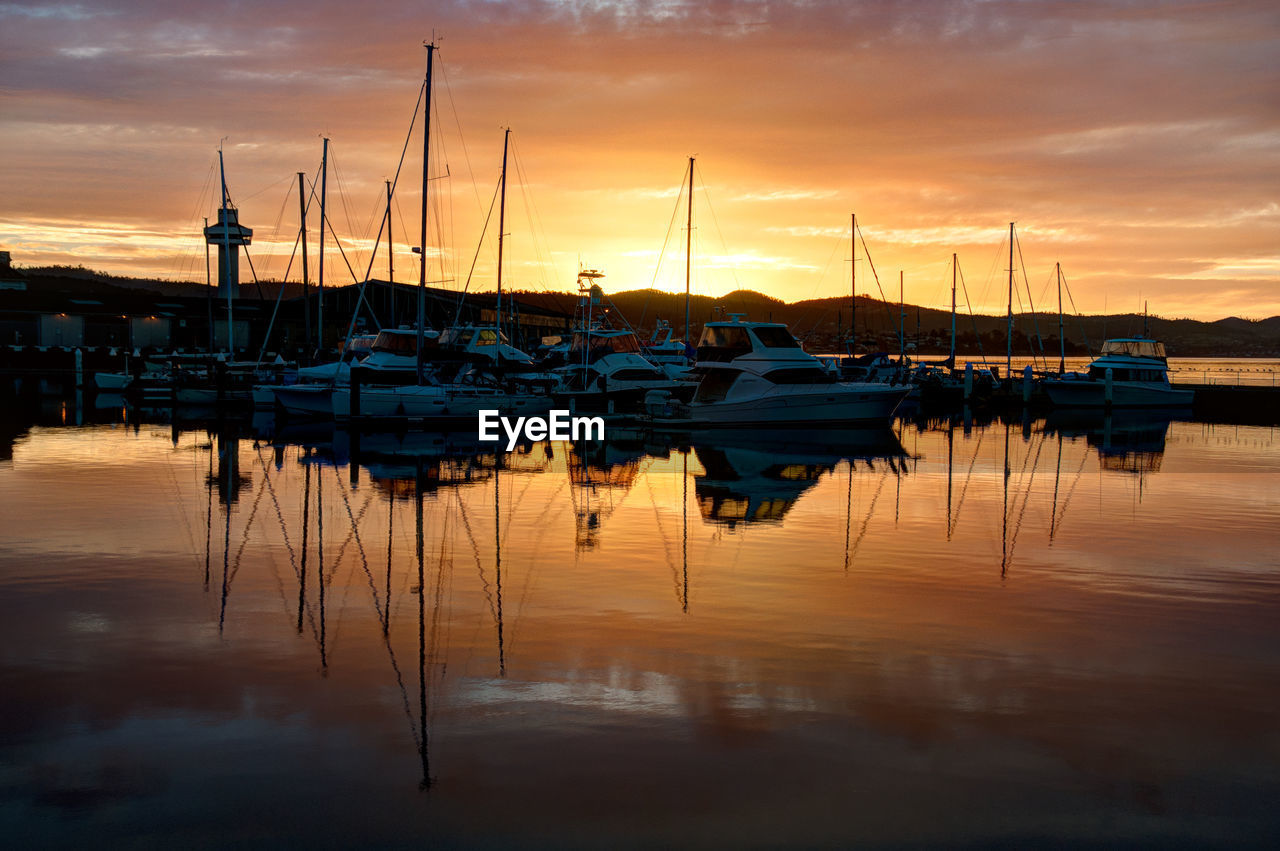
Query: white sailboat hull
[
  {"x": 305, "y": 400},
  {"x": 112, "y": 380}
]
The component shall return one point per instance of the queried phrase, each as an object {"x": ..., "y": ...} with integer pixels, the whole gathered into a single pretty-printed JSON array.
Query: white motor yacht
[
  {"x": 1131, "y": 372},
  {"x": 755, "y": 373},
  {"x": 667, "y": 354},
  {"x": 605, "y": 365}
]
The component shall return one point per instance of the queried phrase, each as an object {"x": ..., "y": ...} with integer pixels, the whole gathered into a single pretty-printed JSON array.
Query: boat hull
[
  {"x": 433, "y": 403},
  {"x": 112, "y": 381},
  {"x": 305, "y": 400},
  {"x": 842, "y": 404},
  {"x": 1124, "y": 394}
]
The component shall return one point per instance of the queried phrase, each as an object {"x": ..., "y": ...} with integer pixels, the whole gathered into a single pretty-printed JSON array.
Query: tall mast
[
  {"x": 422, "y": 241},
  {"x": 1008, "y": 345},
  {"x": 1062, "y": 343},
  {"x": 688, "y": 254},
  {"x": 853, "y": 282},
  {"x": 324, "y": 184},
  {"x": 902, "y": 319},
  {"x": 391, "y": 260},
  {"x": 208, "y": 282},
  {"x": 954, "y": 270},
  {"x": 226, "y": 248},
  {"x": 306, "y": 284},
  {"x": 502, "y": 215}
]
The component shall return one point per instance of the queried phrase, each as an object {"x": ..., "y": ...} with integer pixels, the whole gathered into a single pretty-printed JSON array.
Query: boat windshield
[
  {"x": 462, "y": 337},
  {"x": 775, "y": 337},
  {"x": 723, "y": 343},
  {"x": 602, "y": 344},
  {"x": 1134, "y": 348},
  {"x": 396, "y": 344},
  {"x": 715, "y": 385}
]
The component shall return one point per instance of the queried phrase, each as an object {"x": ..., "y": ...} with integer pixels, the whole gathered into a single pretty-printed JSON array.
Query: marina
[{"x": 594, "y": 424}]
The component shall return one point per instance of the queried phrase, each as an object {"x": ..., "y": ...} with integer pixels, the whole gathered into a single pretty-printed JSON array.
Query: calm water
[
  {"x": 1243, "y": 371},
  {"x": 810, "y": 638}
]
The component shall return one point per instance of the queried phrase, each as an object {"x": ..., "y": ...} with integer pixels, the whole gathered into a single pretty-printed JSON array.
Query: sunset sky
[{"x": 1137, "y": 143}]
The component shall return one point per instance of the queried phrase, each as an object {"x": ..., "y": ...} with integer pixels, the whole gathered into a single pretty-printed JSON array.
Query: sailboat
[{"x": 472, "y": 387}]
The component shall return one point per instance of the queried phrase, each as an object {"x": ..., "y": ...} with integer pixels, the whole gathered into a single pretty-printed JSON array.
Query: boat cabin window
[
  {"x": 715, "y": 385},
  {"x": 799, "y": 375},
  {"x": 461, "y": 337},
  {"x": 396, "y": 344},
  {"x": 1120, "y": 374},
  {"x": 775, "y": 337},
  {"x": 457, "y": 336},
  {"x": 723, "y": 343},
  {"x": 602, "y": 345},
  {"x": 612, "y": 343},
  {"x": 637, "y": 375},
  {"x": 1134, "y": 348}
]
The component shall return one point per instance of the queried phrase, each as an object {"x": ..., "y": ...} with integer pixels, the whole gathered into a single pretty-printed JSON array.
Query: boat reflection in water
[
  {"x": 659, "y": 624},
  {"x": 757, "y": 475},
  {"x": 601, "y": 474},
  {"x": 1127, "y": 440}
]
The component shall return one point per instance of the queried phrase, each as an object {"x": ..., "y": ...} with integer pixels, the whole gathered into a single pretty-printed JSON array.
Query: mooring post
[
  {"x": 220, "y": 383},
  {"x": 1109, "y": 391},
  {"x": 1026, "y": 385},
  {"x": 357, "y": 377},
  {"x": 353, "y": 458},
  {"x": 79, "y": 368},
  {"x": 968, "y": 380}
]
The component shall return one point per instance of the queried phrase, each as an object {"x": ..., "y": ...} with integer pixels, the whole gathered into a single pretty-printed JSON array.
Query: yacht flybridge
[
  {"x": 665, "y": 353},
  {"x": 1131, "y": 372},
  {"x": 605, "y": 364},
  {"x": 755, "y": 373}
]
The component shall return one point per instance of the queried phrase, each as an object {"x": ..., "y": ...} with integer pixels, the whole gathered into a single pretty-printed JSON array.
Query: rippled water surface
[{"x": 1008, "y": 632}]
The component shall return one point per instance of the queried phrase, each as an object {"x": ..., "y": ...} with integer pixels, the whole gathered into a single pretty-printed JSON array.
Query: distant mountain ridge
[{"x": 822, "y": 324}]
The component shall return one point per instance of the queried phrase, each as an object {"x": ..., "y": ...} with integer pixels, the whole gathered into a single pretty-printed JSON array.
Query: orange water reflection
[{"x": 924, "y": 635}]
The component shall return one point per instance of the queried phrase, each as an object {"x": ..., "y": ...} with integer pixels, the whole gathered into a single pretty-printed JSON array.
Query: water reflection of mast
[
  {"x": 951, "y": 434},
  {"x": 897, "y": 497},
  {"x": 228, "y": 451},
  {"x": 208, "y": 518},
  {"x": 422, "y": 635},
  {"x": 1011, "y": 540},
  {"x": 324, "y": 659},
  {"x": 1004, "y": 532},
  {"x": 1057, "y": 472},
  {"x": 386, "y": 612},
  {"x": 848, "y": 516},
  {"x": 306, "y": 525},
  {"x": 497, "y": 560},
  {"x": 684, "y": 543}
]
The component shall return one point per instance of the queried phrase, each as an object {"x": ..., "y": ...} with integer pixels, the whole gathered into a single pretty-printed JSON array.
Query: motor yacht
[
  {"x": 756, "y": 373},
  {"x": 605, "y": 366},
  {"x": 1131, "y": 372}
]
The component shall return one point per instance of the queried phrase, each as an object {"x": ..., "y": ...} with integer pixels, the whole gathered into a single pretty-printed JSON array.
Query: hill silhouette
[{"x": 823, "y": 325}]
